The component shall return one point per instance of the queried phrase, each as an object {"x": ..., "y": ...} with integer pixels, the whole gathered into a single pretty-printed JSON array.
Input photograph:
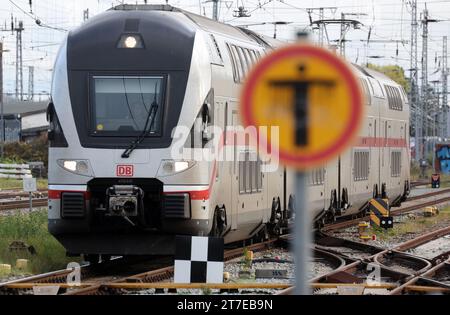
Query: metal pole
[
  {"x": 424, "y": 99},
  {"x": 414, "y": 80},
  {"x": 1, "y": 102},
  {"x": 302, "y": 236},
  {"x": 444, "y": 114},
  {"x": 31, "y": 201},
  {"x": 215, "y": 10},
  {"x": 343, "y": 30}
]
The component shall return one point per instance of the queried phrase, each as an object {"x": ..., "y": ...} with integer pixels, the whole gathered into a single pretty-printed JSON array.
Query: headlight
[
  {"x": 180, "y": 166},
  {"x": 169, "y": 167},
  {"x": 131, "y": 41},
  {"x": 79, "y": 167}
]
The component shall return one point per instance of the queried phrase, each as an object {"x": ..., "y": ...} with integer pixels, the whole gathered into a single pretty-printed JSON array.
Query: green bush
[{"x": 22, "y": 152}]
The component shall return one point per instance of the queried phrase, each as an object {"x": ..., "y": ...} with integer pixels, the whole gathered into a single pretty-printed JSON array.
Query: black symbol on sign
[{"x": 301, "y": 109}]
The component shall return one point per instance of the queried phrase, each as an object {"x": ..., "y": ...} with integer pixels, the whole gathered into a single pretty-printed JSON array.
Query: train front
[{"x": 118, "y": 91}]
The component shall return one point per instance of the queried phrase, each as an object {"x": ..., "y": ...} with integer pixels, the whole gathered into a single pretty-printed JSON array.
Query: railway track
[
  {"x": 14, "y": 199},
  {"x": 349, "y": 261},
  {"x": 98, "y": 284},
  {"x": 399, "y": 272},
  {"x": 12, "y": 194},
  {"x": 426, "y": 182},
  {"x": 411, "y": 204},
  {"x": 22, "y": 204}
]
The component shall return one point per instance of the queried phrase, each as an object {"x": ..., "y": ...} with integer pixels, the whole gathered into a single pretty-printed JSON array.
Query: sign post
[
  {"x": 315, "y": 100},
  {"x": 29, "y": 185}
]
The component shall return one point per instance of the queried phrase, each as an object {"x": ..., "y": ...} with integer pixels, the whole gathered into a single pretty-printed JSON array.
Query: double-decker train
[{"x": 126, "y": 78}]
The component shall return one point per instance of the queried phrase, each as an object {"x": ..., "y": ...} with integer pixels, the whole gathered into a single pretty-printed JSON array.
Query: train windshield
[{"x": 120, "y": 105}]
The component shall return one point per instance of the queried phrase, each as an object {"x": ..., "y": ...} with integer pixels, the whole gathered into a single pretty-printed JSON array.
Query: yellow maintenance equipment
[
  {"x": 431, "y": 211},
  {"x": 363, "y": 229}
]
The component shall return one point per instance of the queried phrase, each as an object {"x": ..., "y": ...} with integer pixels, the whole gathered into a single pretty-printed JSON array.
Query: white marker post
[{"x": 29, "y": 185}]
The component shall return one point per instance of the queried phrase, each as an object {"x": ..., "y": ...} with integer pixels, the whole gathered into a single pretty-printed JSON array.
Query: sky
[{"x": 388, "y": 22}]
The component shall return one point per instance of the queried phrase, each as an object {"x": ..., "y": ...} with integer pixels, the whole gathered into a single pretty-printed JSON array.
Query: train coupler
[{"x": 124, "y": 200}]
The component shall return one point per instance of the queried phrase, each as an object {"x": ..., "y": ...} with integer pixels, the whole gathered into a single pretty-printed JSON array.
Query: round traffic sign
[{"x": 312, "y": 96}]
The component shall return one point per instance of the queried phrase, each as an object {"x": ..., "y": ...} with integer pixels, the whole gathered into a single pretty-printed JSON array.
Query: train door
[
  {"x": 377, "y": 154},
  {"x": 385, "y": 160},
  {"x": 234, "y": 169}
]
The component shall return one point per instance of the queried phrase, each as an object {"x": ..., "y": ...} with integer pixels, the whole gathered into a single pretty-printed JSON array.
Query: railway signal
[{"x": 314, "y": 98}]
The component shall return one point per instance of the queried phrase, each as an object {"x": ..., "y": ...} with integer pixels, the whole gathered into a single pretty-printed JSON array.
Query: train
[{"x": 127, "y": 78}]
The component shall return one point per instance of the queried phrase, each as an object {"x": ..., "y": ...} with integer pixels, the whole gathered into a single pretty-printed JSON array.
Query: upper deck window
[
  {"x": 394, "y": 98},
  {"x": 126, "y": 105},
  {"x": 365, "y": 88}
]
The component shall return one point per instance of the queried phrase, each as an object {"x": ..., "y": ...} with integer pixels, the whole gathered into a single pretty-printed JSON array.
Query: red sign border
[{"x": 305, "y": 161}]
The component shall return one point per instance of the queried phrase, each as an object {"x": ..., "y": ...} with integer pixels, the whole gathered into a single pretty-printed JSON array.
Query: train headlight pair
[
  {"x": 79, "y": 167},
  {"x": 170, "y": 167}
]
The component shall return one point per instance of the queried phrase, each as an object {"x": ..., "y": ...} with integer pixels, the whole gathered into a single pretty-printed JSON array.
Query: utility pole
[
  {"x": 19, "y": 61},
  {"x": 320, "y": 27},
  {"x": 414, "y": 83},
  {"x": 425, "y": 95},
  {"x": 321, "y": 31},
  {"x": 342, "y": 37},
  {"x": 215, "y": 9},
  {"x": 345, "y": 27},
  {"x": 1, "y": 102},
  {"x": 444, "y": 116},
  {"x": 30, "y": 83}
]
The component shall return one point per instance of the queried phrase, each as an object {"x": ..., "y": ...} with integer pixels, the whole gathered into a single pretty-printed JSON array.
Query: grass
[
  {"x": 31, "y": 228},
  {"x": 412, "y": 225},
  {"x": 9, "y": 183}
]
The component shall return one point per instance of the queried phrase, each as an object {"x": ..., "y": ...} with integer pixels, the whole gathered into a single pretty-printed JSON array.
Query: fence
[{"x": 17, "y": 171}]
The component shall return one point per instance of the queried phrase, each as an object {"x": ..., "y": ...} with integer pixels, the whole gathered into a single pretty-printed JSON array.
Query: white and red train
[{"x": 126, "y": 78}]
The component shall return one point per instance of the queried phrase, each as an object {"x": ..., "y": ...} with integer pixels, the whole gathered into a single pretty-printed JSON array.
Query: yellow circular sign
[{"x": 313, "y": 97}]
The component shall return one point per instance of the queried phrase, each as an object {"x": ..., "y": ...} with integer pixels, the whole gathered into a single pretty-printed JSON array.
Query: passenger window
[
  {"x": 243, "y": 60},
  {"x": 253, "y": 56},
  {"x": 366, "y": 91},
  {"x": 250, "y": 174},
  {"x": 217, "y": 49},
  {"x": 240, "y": 66},
  {"x": 242, "y": 173},
  {"x": 317, "y": 177},
  {"x": 233, "y": 64},
  {"x": 396, "y": 167},
  {"x": 377, "y": 91},
  {"x": 361, "y": 165},
  {"x": 394, "y": 98}
]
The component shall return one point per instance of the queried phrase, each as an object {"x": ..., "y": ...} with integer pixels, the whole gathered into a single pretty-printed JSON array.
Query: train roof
[
  {"x": 239, "y": 33},
  {"x": 205, "y": 23}
]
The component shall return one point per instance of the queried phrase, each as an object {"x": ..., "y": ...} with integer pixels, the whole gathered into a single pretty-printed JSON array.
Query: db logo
[{"x": 125, "y": 170}]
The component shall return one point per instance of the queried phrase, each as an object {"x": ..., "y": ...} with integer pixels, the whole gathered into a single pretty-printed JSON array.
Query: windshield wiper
[
  {"x": 145, "y": 132},
  {"x": 147, "y": 129}
]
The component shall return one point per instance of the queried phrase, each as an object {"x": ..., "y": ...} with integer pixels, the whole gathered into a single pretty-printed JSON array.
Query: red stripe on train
[{"x": 381, "y": 142}]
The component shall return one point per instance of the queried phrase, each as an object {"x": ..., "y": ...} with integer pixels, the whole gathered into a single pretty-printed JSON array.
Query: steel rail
[
  {"x": 410, "y": 280},
  {"x": 395, "y": 212}
]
